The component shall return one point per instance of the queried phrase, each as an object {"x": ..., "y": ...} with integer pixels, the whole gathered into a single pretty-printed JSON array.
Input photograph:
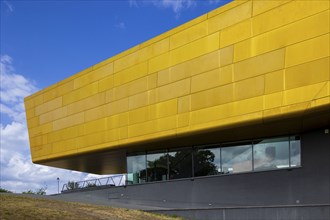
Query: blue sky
[{"x": 43, "y": 42}]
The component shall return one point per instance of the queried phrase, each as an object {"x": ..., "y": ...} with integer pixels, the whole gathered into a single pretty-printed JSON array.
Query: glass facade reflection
[
  {"x": 180, "y": 164},
  {"x": 157, "y": 167},
  {"x": 295, "y": 156},
  {"x": 256, "y": 155},
  {"x": 236, "y": 158},
  {"x": 136, "y": 169},
  {"x": 207, "y": 162},
  {"x": 271, "y": 154}
]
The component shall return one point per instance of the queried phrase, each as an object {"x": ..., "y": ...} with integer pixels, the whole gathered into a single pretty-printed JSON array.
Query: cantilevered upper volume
[{"x": 248, "y": 69}]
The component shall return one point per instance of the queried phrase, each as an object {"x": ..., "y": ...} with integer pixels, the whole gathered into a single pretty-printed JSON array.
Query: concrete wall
[
  {"x": 320, "y": 212},
  {"x": 300, "y": 193}
]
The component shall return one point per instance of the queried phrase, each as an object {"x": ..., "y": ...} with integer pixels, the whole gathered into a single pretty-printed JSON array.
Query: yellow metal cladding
[{"x": 246, "y": 61}]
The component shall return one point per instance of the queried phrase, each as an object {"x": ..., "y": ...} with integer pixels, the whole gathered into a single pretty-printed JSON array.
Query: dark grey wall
[
  {"x": 255, "y": 213},
  {"x": 308, "y": 185}
]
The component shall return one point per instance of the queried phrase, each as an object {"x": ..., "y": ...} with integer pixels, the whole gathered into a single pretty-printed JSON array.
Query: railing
[{"x": 116, "y": 180}]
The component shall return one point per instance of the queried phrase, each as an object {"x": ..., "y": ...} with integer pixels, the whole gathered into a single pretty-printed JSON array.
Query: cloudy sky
[{"x": 43, "y": 42}]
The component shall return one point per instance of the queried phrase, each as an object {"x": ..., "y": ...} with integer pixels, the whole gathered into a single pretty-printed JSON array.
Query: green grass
[{"x": 32, "y": 208}]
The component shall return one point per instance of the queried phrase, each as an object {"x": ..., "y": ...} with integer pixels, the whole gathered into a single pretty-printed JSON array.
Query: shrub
[
  {"x": 28, "y": 192},
  {"x": 4, "y": 191},
  {"x": 40, "y": 191}
]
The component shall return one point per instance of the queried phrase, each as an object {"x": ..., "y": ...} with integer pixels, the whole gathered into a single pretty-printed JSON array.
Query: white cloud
[
  {"x": 18, "y": 173},
  {"x": 9, "y": 6},
  {"x": 13, "y": 138},
  {"x": 121, "y": 25},
  {"x": 133, "y": 3},
  {"x": 14, "y": 87},
  {"x": 214, "y": 1},
  {"x": 177, "y": 6}
]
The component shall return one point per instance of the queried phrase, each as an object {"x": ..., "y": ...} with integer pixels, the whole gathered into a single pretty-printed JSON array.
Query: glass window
[
  {"x": 136, "y": 169},
  {"x": 271, "y": 153},
  {"x": 156, "y": 166},
  {"x": 237, "y": 158},
  {"x": 295, "y": 151},
  {"x": 263, "y": 154},
  {"x": 180, "y": 164},
  {"x": 207, "y": 161}
]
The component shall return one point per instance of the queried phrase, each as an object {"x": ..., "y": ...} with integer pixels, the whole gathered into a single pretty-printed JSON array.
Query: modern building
[{"x": 224, "y": 117}]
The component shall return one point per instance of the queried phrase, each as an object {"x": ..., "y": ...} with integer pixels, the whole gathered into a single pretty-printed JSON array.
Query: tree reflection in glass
[
  {"x": 207, "y": 162},
  {"x": 156, "y": 167},
  {"x": 180, "y": 164}
]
